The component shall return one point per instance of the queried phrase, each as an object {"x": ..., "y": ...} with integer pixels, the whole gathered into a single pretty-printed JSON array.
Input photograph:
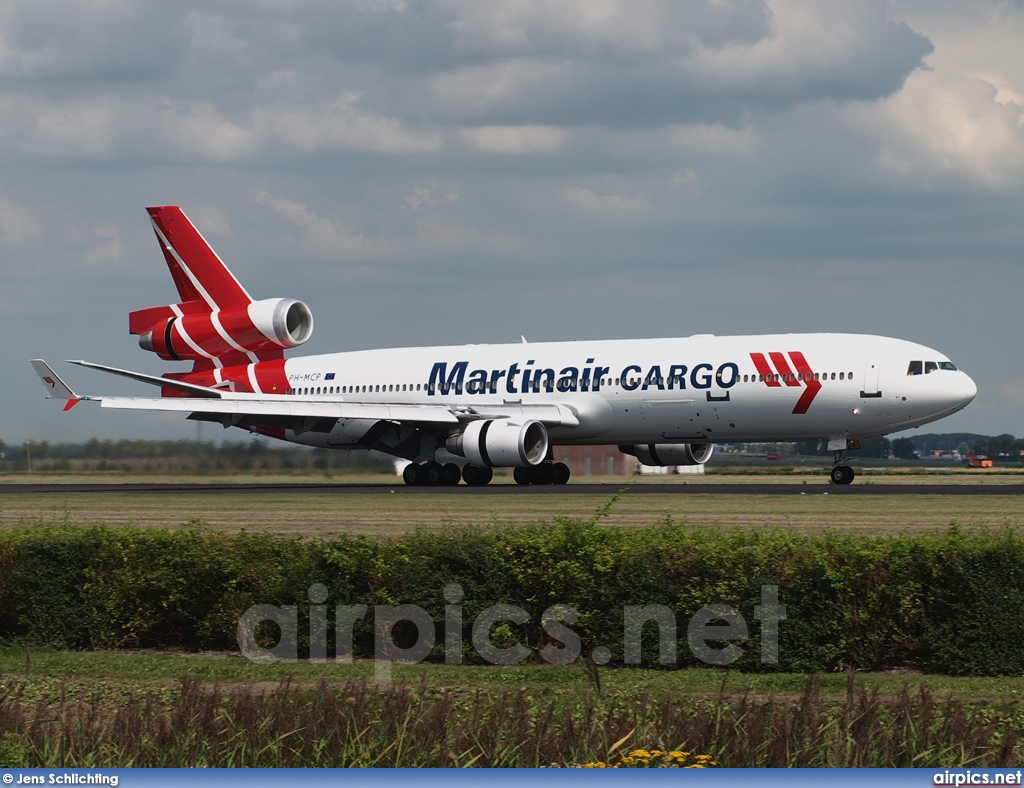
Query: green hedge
[{"x": 948, "y": 603}]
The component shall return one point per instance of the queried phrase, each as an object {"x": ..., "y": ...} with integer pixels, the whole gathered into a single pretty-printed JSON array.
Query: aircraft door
[{"x": 870, "y": 389}]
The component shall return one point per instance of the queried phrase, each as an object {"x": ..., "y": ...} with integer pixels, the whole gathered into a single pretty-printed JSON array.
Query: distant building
[
  {"x": 609, "y": 461},
  {"x": 596, "y": 461}
]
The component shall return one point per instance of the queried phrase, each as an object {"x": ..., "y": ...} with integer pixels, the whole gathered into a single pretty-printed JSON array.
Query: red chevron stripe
[
  {"x": 813, "y": 386},
  {"x": 764, "y": 369},
  {"x": 783, "y": 367},
  {"x": 803, "y": 375}
]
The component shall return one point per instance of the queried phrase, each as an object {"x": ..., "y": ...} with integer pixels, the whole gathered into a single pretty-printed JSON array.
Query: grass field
[
  {"x": 46, "y": 669},
  {"x": 810, "y": 507}
]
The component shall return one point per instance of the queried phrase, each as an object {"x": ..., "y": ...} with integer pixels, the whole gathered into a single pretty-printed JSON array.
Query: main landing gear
[
  {"x": 545, "y": 473},
  {"x": 434, "y": 474},
  {"x": 841, "y": 472},
  {"x": 475, "y": 476}
]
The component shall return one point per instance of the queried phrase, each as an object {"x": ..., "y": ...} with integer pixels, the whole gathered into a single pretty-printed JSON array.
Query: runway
[{"x": 682, "y": 488}]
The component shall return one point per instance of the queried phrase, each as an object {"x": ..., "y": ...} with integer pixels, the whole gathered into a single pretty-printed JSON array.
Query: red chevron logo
[{"x": 782, "y": 373}]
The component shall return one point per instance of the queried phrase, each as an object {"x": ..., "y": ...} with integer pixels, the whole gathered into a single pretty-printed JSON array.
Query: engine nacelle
[
  {"x": 671, "y": 453},
  {"x": 271, "y": 323},
  {"x": 499, "y": 443}
]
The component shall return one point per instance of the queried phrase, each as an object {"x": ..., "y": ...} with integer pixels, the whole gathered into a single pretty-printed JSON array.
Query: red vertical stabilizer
[{"x": 198, "y": 273}]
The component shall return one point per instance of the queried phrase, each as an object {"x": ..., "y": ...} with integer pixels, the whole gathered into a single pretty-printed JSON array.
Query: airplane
[{"x": 457, "y": 412}]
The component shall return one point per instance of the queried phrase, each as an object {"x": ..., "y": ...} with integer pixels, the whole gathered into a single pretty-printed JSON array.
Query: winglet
[{"x": 55, "y": 387}]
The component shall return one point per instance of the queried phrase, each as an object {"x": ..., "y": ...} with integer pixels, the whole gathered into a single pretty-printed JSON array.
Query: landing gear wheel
[
  {"x": 453, "y": 474},
  {"x": 413, "y": 475},
  {"x": 842, "y": 474},
  {"x": 544, "y": 473},
  {"x": 434, "y": 474},
  {"x": 475, "y": 476}
]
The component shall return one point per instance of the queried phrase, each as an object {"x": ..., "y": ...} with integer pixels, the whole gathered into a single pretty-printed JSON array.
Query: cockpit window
[
  {"x": 930, "y": 366},
  {"x": 914, "y": 368},
  {"x": 947, "y": 365}
]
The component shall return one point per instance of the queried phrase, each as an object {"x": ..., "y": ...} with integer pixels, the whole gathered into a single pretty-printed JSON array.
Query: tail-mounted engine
[
  {"x": 497, "y": 443},
  {"x": 671, "y": 453},
  {"x": 274, "y": 324}
]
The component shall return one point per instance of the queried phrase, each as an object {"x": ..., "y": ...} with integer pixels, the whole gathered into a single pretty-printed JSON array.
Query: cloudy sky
[{"x": 454, "y": 172}]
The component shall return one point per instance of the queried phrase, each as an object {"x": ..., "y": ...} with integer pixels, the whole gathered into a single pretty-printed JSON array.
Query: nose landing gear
[{"x": 841, "y": 472}]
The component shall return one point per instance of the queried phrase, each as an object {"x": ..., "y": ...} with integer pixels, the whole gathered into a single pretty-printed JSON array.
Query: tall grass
[{"x": 361, "y": 724}]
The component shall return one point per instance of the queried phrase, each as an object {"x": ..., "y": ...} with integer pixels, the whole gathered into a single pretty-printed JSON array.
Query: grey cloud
[
  {"x": 628, "y": 64},
  {"x": 444, "y": 35},
  {"x": 48, "y": 40},
  {"x": 230, "y": 81},
  {"x": 153, "y": 128},
  {"x": 835, "y": 55},
  {"x": 637, "y": 64},
  {"x": 625, "y": 32}
]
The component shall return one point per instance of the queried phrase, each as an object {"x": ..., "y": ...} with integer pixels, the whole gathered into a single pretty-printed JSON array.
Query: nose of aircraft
[{"x": 968, "y": 390}]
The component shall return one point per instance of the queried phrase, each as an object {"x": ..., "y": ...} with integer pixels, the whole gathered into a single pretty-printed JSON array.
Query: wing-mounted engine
[
  {"x": 671, "y": 453},
  {"x": 264, "y": 328},
  {"x": 495, "y": 443}
]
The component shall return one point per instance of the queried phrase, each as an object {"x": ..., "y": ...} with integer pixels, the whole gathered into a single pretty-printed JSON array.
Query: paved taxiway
[{"x": 511, "y": 489}]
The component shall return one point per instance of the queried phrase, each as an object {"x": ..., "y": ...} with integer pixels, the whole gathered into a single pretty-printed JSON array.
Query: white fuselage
[{"x": 782, "y": 387}]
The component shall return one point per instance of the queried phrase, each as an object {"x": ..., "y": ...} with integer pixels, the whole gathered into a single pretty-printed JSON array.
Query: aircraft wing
[
  {"x": 230, "y": 407},
  {"x": 153, "y": 380},
  {"x": 283, "y": 406},
  {"x": 250, "y": 408}
]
